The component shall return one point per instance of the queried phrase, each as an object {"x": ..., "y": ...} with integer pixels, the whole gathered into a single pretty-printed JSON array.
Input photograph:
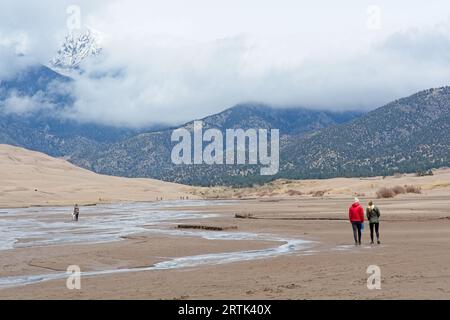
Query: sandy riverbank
[{"x": 413, "y": 257}]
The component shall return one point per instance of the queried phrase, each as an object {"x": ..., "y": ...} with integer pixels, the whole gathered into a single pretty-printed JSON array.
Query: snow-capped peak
[{"x": 78, "y": 46}]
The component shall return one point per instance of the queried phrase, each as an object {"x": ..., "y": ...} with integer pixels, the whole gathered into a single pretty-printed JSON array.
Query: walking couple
[{"x": 356, "y": 216}]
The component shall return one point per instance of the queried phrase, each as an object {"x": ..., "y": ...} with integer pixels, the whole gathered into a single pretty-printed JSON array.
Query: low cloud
[
  {"x": 55, "y": 100},
  {"x": 173, "y": 62},
  {"x": 178, "y": 82},
  {"x": 16, "y": 103}
]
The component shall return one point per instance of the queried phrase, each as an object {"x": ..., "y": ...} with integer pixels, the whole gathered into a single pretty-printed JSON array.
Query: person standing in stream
[
  {"x": 373, "y": 215},
  {"x": 76, "y": 212},
  {"x": 356, "y": 217}
]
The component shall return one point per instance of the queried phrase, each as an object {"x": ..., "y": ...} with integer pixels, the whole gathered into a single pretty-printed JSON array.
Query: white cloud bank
[{"x": 172, "y": 61}]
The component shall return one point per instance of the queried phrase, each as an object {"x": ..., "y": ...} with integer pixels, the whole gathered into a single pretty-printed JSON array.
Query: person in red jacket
[{"x": 356, "y": 217}]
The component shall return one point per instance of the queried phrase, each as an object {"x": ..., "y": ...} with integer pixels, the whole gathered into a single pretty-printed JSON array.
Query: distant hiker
[
  {"x": 373, "y": 215},
  {"x": 76, "y": 212},
  {"x": 356, "y": 217}
]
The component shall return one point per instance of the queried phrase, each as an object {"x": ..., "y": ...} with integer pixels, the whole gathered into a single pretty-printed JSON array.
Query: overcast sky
[{"x": 175, "y": 60}]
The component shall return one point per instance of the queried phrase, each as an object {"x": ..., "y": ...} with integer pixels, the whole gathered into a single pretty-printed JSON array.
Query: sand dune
[
  {"x": 436, "y": 185},
  {"x": 33, "y": 178}
]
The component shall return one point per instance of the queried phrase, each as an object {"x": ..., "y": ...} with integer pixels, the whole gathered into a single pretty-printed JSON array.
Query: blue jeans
[{"x": 356, "y": 226}]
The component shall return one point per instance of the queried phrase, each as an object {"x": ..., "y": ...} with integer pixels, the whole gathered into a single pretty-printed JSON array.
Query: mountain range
[
  {"x": 136, "y": 152},
  {"x": 45, "y": 127},
  {"x": 149, "y": 154},
  {"x": 406, "y": 135}
]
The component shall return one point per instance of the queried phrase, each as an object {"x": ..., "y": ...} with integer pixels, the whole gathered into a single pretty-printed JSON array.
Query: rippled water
[
  {"x": 105, "y": 223},
  {"x": 101, "y": 223}
]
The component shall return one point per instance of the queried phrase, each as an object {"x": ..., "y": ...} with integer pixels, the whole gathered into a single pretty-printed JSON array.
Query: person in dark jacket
[
  {"x": 373, "y": 215},
  {"x": 356, "y": 217},
  {"x": 76, "y": 212}
]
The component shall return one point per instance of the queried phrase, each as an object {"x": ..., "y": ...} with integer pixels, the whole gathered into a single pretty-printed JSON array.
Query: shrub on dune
[
  {"x": 294, "y": 193},
  {"x": 392, "y": 192},
  {"x": 318, "y": 193},
  {"x": 398, "y": 190},
  {"x": 385, "y": 193},
  {"x": 413, "y": 189}
]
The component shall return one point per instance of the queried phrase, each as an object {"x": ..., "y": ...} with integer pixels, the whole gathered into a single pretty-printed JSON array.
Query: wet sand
[{"x": 413, "y": 256}]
